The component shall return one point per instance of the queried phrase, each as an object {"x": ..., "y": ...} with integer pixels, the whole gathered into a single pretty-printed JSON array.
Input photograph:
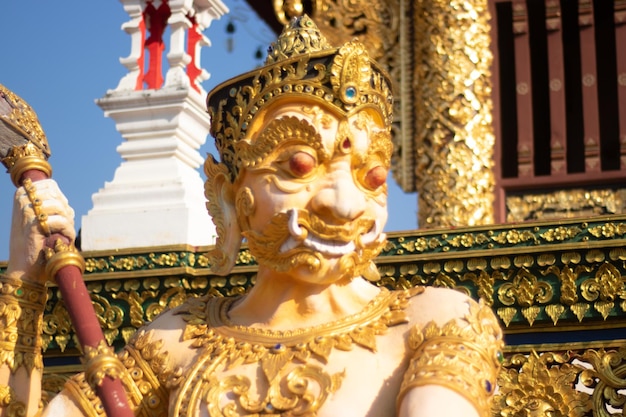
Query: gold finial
[
  {"x": 287, "y": 9},
  {"x": 300, "y": 36}
]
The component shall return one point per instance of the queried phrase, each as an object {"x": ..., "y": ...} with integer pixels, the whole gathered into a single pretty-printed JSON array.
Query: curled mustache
[{"x": 302, "y": 222}]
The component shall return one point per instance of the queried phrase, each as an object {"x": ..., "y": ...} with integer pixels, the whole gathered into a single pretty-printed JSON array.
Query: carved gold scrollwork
[
  {"x": 604, "y": 288},
  {"x": 565, "y": 204},
  {"x": 135, "y": 300},
  {"x": 560, "y": 233},
  {"x": 567, "y": 277},
  {"x": 484, "y": 282},
  {"x": 609, "y": 230},
  {"x": 171, "y": 297},
  {"x": 57, "y": 327},
  {"x": 525, "y": 289},
  {"x": 514, "y": 236},
  {"x": 109, "y": 316},
  {"x": 375, "y": 23},
  {"x": 563, "y": 383},
  {"x": 607, "y": 379},
  {"x": 540, "y": 385}
]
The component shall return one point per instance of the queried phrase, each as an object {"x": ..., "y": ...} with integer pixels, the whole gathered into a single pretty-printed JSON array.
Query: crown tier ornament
[{"x": 302, "y": 64}]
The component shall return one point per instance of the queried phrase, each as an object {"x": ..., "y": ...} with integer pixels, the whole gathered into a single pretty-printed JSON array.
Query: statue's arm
[
  {"x": 455, "y": 359},
  {"x": 436, "y": 400},
  {"x": 23, "y": 295},
  {"x": 147, "y": 379}
]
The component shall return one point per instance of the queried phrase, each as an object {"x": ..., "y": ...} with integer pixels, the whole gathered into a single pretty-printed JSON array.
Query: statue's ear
[{"x": 221, "y": 205}]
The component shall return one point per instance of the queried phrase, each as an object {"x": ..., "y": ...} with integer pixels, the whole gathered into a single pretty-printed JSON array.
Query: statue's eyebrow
[{"x": 286, "y": 128}]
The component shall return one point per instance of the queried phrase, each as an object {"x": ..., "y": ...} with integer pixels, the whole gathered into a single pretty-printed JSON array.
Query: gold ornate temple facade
[{"x": 508, "y": 134}]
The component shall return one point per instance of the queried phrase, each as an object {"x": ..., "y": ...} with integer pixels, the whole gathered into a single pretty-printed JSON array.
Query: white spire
[{"x": 156, "y": 197}]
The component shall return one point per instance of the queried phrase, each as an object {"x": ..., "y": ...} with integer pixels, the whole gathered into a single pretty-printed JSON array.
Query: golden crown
[{"x": 299, "y": 63}]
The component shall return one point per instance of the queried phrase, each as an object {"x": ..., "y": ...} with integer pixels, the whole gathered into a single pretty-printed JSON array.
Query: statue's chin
[{"x": 312, "y": 267}]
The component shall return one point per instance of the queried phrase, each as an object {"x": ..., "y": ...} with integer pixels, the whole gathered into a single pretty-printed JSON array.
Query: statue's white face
[{"x": 312, "y": 201}]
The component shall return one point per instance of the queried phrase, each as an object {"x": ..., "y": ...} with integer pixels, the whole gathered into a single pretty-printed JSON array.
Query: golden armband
[
  {"x": 144, "y": 375},
  {"x": 21, "y": 320},
  {"x": 463, "y": 358}
]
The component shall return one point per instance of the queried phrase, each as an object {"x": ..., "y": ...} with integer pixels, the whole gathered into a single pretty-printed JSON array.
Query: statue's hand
[{"x": 28, "y": 236}]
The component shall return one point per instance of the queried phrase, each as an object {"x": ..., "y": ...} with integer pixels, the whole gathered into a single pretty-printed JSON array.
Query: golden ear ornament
[
  {"x": 221, "y": 207},
  {"x": 300, "y": 65}
]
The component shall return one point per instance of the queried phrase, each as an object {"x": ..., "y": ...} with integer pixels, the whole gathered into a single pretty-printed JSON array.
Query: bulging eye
[
  {"x": 301, "y": 164},
  {"x": 375, "y": 177}
]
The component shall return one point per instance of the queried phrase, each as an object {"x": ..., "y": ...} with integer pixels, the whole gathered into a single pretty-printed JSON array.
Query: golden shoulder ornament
[{"x": 465, "y": 358}]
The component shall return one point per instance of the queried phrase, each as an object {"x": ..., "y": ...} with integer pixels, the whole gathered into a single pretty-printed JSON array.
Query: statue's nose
[{"x": 341, "y": 200}]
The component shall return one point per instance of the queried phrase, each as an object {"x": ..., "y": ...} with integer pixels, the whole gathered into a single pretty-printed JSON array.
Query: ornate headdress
[{"x": 299, "y": 63}]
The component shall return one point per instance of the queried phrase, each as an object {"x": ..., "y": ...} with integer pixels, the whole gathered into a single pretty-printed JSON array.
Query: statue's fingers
[
  {"x": 61, "y": 224},
  {"x": 49, "y": 189}
]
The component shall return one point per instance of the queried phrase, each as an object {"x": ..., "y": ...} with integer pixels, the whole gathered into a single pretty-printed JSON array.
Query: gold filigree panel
[
  {"x": 561, "y": 382},
  {"x": 454, "y": 139},
  {"x": 123, "y": 305},
  {"x": 565, "y": 204}
]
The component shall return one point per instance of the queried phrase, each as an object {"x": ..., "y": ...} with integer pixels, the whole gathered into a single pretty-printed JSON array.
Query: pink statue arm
[{"x": 433, "y": 400}]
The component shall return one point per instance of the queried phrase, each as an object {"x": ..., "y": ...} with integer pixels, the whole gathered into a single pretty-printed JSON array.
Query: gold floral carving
[
  {"x": 524, "y": 290},
  {"x": 540, "y": 385},
  {"x": 21, "y": 306},
  {"x": 561, "y": 382},
  {"x": 609, "y": 230},
  {"x": 375, "y": 23},
  {"x": 454, "y": 139},
  {"x": 604, "y": 288},
  {"x": 57, "y": 327},
  {"x": 565, "y": 204},
  {"x": 8, "y": 403},
  {"x": 607, "y": 378}
]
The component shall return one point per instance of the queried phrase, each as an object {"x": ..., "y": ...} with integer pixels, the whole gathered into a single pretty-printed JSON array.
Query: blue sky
[{"x": 62, "y": 56}]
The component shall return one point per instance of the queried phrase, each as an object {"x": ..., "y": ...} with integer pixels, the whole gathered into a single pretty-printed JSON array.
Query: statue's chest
[
  {"x": 238, "y": 379},
  {"x": 350, "y": 367}
]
